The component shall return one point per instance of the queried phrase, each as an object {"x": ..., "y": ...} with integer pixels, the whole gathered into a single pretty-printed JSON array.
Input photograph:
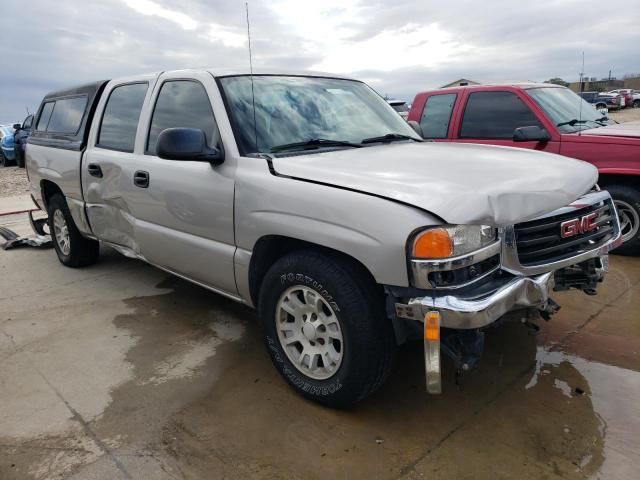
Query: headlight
[{"x": 452, "y": 240}]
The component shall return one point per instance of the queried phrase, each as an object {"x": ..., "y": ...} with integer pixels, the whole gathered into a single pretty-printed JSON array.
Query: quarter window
[
  {"x": 27, "y": 122},
  {"x": 67, "y": 115},
  {"x": 182, "y": 104},
  {"x": 45, "y": 115},
  {"x": 120, "y": 118},
  {"x": 437, "y": 115},
  {"x": 495, "y": 115}
]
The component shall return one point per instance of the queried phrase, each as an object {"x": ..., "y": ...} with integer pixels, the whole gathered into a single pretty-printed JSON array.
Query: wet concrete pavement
[{"x": 122, "y": 371}]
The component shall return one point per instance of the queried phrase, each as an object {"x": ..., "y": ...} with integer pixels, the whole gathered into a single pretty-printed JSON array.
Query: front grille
[{"x": 540, "y": 241}]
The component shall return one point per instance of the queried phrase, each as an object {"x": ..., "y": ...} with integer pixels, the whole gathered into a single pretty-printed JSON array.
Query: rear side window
[
  {"x": 45, "y": 115},
  {"x": 120, "y": 118},
  {"x": 67, "y": 115},
  {"x": 495, "y": 115},
  {"x": 437, "y": 115},
  {"x": 182, "y": 104}
]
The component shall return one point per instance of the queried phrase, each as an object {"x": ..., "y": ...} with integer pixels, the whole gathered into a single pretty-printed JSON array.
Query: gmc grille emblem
[{"x": 577, "y": 226}]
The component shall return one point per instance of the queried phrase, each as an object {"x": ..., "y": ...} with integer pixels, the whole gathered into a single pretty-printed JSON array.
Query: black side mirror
[
  {"x": 17, "y": 126},
  {"x": 416, "y": 126},
  {"x": 531, "y": 134},
  {"x": 187, "y": 144}
]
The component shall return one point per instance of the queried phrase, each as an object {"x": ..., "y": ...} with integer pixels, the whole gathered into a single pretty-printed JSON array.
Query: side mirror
[
  {"x": 187, "y": 144},
  {"x": 17, "y": 126},
  {"x": 416, "y": 126},
  {"x": 531, "y": 134}
]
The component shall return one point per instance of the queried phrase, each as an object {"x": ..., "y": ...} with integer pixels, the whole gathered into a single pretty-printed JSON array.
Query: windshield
[
  {"x": 562, "y": 105},
  {"x": 298, "y": 109}
]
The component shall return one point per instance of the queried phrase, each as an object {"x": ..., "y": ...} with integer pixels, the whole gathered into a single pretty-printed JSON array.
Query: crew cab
[
  {"x": 309, "y": 198},
  {"x": 541, "y": 117}
]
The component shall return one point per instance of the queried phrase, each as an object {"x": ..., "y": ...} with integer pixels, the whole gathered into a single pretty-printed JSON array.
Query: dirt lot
[
  {"x": 120, "y": 371},
  {"x": 626, "y": 115},
  {"x": 13, "y": 181}
]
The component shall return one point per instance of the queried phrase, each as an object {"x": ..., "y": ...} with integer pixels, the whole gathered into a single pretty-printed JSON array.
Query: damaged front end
[{"x": 511, "y": 278}]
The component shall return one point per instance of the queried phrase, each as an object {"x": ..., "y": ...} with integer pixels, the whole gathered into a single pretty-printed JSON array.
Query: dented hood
[{"x": 461, "y": 183}]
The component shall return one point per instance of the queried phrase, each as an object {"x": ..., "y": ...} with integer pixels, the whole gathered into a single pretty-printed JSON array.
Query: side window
[
  {"x": 120, "y": 118},
  {"x": 67, "y": 115},
  {"x": 436, "y": 115},
  {"x": 27, "y": 122},
  {"x": 45, "y": 115},
  {"x": 182, "y": 103},
  {"x": 495, "y": 115}
]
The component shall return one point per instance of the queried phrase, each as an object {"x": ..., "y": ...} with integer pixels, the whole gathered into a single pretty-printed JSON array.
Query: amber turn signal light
[
  {"x": 432, "y": 326},
  {"x": 434, "y": 243}
]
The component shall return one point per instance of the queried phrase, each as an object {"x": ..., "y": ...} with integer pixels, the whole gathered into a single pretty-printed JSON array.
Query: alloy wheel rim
[
  {"x": 61, "y": 232},
  {"x": 629, "y": 220},
  {"x": 309, "y": 332}
]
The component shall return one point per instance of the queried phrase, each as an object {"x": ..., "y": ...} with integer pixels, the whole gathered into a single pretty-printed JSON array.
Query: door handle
[
  {"x": 94, "y": 170},
  {"x": 141, "y": 179}
]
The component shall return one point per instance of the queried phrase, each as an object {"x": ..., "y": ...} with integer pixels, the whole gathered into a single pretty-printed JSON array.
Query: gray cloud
[{"x": 49, "y": 45}]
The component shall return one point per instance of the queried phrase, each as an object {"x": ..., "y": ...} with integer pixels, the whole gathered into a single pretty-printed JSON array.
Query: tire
[
  {"x": 627, "y": 200},
  {"x": 636, "y": 104},
  {"x": 3, "y": 160},
  {"x": 351, "y": 308},
  {"x": 19, "y": 157},
  {"x": 72, "y": 248},
  {"x": 600, "y": 106}
]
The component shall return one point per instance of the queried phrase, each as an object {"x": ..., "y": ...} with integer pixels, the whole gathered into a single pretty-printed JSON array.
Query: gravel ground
[
  {"x": 626, "y": 115},
  {"x": 13, "y": 181}
]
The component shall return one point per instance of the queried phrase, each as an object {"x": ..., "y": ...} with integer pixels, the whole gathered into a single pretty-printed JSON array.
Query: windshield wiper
[
  {"x": 390, "y": 137},
  {"x": 573, "y": 122},
  {"x": 314, "y": 143}
]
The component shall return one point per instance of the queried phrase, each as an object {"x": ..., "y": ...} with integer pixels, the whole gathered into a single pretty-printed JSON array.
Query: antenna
[
  {"x": 582, "y": 99},
  {"x": 253, "y": 97},
  {"x": 28, "y": 113}
]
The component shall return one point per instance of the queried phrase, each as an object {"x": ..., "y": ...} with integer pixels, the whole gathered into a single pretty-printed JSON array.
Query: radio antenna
[
  {"x": 581, "y": 99},
  {"x": 253, "y": 96}
]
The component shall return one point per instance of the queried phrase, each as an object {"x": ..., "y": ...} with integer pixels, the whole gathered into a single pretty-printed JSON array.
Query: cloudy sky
[{"x": 398, "y": 46}]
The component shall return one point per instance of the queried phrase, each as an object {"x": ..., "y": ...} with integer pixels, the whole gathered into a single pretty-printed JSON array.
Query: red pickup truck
[{"x": 541, "y": 117}]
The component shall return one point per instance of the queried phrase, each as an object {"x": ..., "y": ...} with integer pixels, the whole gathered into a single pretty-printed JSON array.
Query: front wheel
[
  {"x": 3, "y": 160},
  {"x": 325, "y": 328},
  {"x": 72, "y": 248},
  {"x": 636, "y": 104},
  {"x": 627, "y": 201}
]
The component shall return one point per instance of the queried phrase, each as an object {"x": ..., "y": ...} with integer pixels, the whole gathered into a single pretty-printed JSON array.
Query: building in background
[{"x": 462, "y": 82}]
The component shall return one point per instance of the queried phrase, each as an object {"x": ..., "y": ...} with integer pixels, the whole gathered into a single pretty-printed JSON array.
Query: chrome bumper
[{"x": 477, "y": 312}]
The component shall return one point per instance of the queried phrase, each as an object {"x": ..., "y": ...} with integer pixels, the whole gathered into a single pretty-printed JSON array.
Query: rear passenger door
[
  {"x": 185, "y": 212},
  {"x": 110, "y": 161},
  {"x": 490, "y": 117}
]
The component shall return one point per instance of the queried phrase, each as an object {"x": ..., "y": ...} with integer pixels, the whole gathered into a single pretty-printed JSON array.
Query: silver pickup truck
[{"x": 308, "y": 197}]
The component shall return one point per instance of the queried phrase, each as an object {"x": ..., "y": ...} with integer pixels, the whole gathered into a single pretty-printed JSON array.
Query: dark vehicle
[
  {"x": 602, "y": 100},
  {"x": 22, "y": 133}
]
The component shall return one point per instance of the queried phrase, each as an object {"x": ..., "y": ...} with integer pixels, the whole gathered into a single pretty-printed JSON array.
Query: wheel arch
[
  {"x": 270, "y": 248},
  {"x": 606, "y": 179},
  {"x": 48, "y": 189}
]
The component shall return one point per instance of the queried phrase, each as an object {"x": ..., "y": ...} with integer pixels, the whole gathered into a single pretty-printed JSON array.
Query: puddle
[{"x": 615, "y": 394}]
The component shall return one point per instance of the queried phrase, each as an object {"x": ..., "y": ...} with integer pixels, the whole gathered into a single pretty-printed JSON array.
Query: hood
[
  {"x": 630, "y": 129},
  {"x": 460, "y": 183}
]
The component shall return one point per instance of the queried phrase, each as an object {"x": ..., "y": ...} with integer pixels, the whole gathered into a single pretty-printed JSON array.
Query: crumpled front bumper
[{"x": 459, "y": 312}]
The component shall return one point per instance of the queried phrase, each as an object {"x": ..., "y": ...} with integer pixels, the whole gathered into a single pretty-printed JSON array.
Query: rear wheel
[
  {"x": 601, "y": 106},
  {"x": 325, "y": 328},
  {"x": 627, "y": 200},
  {"x": 636, "y": 104},
  {"x": 72, "y": 248}
]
